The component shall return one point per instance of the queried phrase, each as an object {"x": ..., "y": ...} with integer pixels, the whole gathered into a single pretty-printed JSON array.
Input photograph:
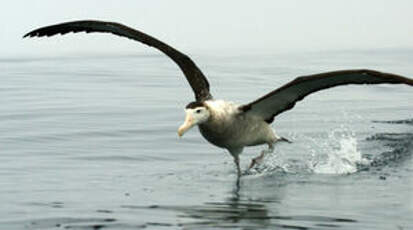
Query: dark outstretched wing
[
  {"x": 285, "y": 97},
  {"x": 193, "y": 74}
]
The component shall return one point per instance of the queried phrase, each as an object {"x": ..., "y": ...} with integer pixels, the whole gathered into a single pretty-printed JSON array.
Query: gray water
[{"x": 90, "y": 142}]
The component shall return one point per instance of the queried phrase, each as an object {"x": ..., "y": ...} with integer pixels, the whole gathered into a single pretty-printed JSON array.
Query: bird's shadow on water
[
  {"x": 249, "y": 206},
  {"x": 236, "y": 211}
]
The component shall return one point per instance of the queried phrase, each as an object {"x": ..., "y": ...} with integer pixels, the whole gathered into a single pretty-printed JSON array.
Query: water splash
[
  {"x": 338, "y": 155},
  {"x": 341, "y": 161}
]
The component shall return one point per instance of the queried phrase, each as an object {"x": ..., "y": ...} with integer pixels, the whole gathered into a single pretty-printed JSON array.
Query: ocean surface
[{"x": 90, "y": 142}]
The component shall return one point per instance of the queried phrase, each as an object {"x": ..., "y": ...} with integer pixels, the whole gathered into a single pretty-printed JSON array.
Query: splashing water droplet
[
  {"x": 342, "y": 160},
  {"x": 334, "y": 153}
]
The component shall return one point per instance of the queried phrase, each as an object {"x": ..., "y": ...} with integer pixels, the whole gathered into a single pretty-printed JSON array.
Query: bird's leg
[
  {"x": 235, "y": 154},
  {"x": 259, "y": 159},
  {"x": 236, "y": 160}
]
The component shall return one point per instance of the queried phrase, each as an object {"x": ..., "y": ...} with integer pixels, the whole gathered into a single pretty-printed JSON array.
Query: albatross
[{"x": 223, "y": 123}]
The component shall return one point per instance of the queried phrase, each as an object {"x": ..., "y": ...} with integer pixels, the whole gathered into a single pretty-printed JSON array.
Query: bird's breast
[{"x": 237, "y": 130}]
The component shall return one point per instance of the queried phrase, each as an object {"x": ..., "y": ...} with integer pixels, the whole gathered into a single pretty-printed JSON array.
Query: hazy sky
[{"x": 213, "y": 26}]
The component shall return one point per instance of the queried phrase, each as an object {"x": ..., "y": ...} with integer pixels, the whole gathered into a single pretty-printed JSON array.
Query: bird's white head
[{"x": 196, "y": 113}]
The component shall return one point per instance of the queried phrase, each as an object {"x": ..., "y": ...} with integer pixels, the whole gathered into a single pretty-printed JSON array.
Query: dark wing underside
[
  {"x": 193, "y": 74},
  {"x": 285, "y": 97}
]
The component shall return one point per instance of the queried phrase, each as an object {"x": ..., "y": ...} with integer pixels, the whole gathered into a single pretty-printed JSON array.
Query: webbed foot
[{"x": 257, "y": 160}]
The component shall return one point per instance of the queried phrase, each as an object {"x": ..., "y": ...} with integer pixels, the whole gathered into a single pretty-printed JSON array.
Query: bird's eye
[{"x": 198, "y": 111}]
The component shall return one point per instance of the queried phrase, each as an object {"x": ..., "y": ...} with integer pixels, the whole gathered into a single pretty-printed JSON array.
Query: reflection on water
[{"x": 243, "y": 212}]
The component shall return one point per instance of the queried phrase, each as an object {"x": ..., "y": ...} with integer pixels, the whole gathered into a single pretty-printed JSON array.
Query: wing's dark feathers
[
  {"x": 193, "y": 74},
  {"x": 379, "y": 77}
]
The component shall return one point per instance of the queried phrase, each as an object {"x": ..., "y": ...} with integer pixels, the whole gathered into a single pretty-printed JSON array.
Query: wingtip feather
[{"x": 27, "y": 35}]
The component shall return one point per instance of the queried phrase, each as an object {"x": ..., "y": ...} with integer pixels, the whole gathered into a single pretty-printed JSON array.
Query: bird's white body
[{"x": 230, "y": 128}]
